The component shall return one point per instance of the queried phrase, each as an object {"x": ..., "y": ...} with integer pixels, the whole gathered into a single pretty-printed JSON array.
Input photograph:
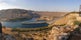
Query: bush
[
  {"x": 62, "y": 24},
  {"x": 76, "y": 22}
]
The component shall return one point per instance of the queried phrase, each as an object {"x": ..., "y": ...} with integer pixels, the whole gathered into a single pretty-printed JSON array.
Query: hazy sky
[{"x": 42, "y": 5}]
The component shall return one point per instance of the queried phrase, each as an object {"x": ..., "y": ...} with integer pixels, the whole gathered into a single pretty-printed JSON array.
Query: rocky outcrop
[
  {"x": 61, "y": 32},
  {"x": 56, "y": 33},
  {"x": 76, "y": 34}
]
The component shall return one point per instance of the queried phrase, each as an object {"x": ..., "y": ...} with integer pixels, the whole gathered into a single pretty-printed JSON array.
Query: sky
[{"x": 42, "y": 5}]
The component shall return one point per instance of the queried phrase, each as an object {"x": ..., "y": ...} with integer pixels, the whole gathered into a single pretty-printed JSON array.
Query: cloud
[
  {"x": 10, "y": 4},
  {"x": 4, "y": 5},
  {"x": 8, "y": 0}
]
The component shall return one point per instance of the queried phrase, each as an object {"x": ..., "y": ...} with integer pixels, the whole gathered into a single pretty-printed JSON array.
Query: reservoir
[{"x": 25, "y": 24}]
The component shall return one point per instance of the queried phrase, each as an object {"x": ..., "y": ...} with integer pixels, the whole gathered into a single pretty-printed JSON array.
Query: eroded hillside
[{"x": 68, "y": 19}]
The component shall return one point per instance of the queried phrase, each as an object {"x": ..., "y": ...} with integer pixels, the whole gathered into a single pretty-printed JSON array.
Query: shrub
[
  {"x": 62, "y": 24},
  {"x": 76, "y": 22}
]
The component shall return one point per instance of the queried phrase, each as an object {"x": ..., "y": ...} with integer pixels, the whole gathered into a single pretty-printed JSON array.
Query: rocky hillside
[
  {"x": 8, "y": 14},
  {"x": 67, "y": 28},
  {"x": 68, "y": 19}
]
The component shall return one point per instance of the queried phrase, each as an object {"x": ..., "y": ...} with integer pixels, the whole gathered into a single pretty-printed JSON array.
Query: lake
[{"x": 25, "y": 24}]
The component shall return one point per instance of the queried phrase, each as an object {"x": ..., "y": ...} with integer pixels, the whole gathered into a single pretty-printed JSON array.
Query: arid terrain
[{"x": 65, "y": 27}]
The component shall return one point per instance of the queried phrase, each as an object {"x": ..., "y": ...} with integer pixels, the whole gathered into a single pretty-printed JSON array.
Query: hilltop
[{"x": 68, "y": 19}]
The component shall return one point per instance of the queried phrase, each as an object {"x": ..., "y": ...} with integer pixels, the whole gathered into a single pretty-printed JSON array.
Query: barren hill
[
  {"x": 52, "y": 14},
  {"x": 68, "y": 19}
]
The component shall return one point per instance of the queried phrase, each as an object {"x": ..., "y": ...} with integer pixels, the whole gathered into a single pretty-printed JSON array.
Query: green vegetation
[
  {"x": 76, "y": 22},
  {"x": 62, "y": 25},
  {"x": 31, "y": 29}
]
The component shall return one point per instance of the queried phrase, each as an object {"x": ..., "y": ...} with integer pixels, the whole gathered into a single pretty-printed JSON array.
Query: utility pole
[{"x": 80, "y": 11}]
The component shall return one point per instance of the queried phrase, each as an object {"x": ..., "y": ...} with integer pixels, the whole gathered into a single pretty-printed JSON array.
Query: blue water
[{"x": 20, "y": 25}]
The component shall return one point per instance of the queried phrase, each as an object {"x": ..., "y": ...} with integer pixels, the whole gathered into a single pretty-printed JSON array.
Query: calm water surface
[{"x": 21, "y": 25}]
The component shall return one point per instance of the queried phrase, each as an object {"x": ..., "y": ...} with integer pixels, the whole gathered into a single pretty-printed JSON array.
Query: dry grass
[{"x": 66, "y": 19}]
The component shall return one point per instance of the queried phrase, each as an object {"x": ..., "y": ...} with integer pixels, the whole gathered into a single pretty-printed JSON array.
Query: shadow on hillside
[{"x": 75, "y": 34}]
